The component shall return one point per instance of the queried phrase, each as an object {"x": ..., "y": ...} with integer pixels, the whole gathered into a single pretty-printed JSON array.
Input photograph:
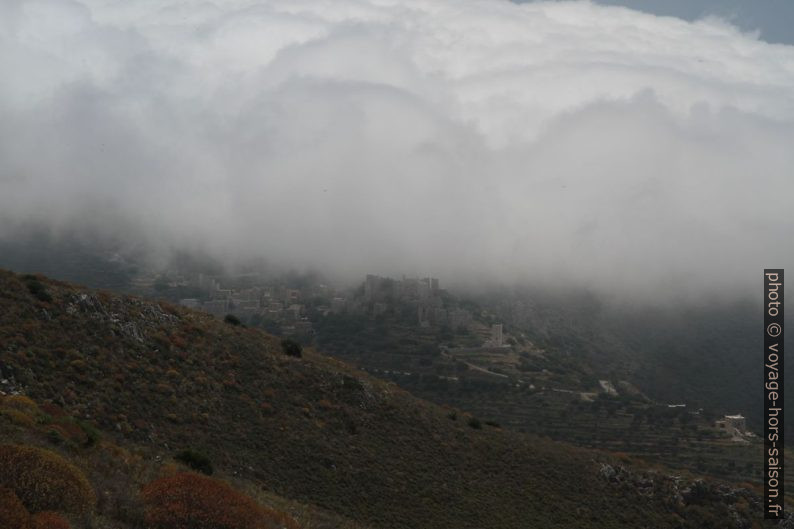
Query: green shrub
[
  {"x": 291, "y": 348},
  {"x": 475, "y": 423},
  {"x": 231, "y": 319},
  {"x": 196, "y": 461},
  {"x": 54, "y": 436},
  {"x": 92, "y": 435},
  {"x": 38, "y": 290}
]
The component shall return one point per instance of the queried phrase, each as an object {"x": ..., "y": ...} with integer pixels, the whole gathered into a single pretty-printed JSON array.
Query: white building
[{"x": 732, "y": 424}]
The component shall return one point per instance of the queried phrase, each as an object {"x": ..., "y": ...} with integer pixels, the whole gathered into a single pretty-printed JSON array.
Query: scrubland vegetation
[{"x": 126, "y": 401}]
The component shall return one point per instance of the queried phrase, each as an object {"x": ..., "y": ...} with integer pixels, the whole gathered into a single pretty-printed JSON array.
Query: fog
[{"x": 474, "y": 140}]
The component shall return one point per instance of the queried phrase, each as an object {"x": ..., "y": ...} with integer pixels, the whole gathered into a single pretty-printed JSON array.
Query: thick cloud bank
[{"x": 470, "y": 139}]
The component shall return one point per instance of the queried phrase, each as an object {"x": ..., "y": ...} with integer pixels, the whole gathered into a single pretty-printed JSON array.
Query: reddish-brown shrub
[
  {"x": 44, "y": 481},
  {"x": 188, "y": 500},
  {"x": 20, "y": 402},
  {"x": 19, "y": 410},
  {"x": 48, "y": 520},
  {"x": 70, "y": 431},
  {"x": 178, "y": 341},
  {"x": 325, "y": 404},
  {"x": 13, "y": 514},
  {"x": 52, "y": 409},
  {"x": 17, "y": 417}
]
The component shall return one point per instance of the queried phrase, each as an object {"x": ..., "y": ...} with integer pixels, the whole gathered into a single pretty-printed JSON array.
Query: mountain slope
[{"x": 312, "y": 428}]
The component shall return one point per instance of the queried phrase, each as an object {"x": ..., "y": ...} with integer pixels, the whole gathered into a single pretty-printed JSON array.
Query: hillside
[
  {"x": 704, "y": 354},
  {"x": 163, "y": 379},
  {"x": 538, "y": 383}
]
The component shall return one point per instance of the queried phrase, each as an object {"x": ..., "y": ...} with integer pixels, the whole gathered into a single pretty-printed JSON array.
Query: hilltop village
[
  {"x": 425, "y": 316},
  {"x": 294, "y": 309}
]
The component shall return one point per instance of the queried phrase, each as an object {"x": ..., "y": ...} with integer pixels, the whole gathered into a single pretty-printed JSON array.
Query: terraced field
[{"x": 675, "y": 437}]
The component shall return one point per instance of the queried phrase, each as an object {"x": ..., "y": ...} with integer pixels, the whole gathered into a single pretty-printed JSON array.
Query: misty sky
[
  {"x": 772, "y": 19},
  {"x": 473, "y": 140}
]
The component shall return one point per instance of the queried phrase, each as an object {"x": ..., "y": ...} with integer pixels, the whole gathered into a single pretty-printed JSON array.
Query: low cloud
[{"x": 473, "y": 140}]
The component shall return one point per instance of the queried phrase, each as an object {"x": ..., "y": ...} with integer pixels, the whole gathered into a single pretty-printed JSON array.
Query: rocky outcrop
[{"x": 680, "y": 495}]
